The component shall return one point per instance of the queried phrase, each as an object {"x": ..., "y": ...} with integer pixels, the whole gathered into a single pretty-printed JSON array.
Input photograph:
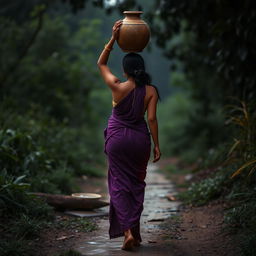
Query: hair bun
[{"x": 138, "y": 72}]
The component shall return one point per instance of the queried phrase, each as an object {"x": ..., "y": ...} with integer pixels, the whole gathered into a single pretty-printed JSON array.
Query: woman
[{"x": 127, "y": 142}]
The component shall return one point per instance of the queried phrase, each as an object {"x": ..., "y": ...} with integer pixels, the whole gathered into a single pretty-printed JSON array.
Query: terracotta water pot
[{"x": 134, "y": 33}]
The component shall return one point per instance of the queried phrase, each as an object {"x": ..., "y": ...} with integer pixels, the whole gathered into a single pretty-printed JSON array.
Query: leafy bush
[
  {"x": 248, "y": 247},
  {"x": 61, "y": 180},
  {"x": 202, "y": 192},
  {"x": 241, "y": 218},
  {"x": 15, "y": 198},
  {"x": 21, "y": 155},
  {"x": 172, "y": 123},
  {"x": 22, "y": 215},
  {"x": 26, "y": 227},
  {"x": 47, "y": 99},
  {"x": 242, "y": 215},
  {"x": 49, "y": 130},
  {"x": 242, "y": 117},
  {"x": 50, "y": 154},
  {"x": 184, "y": 131},
  {"x": 15, "y": 247}
]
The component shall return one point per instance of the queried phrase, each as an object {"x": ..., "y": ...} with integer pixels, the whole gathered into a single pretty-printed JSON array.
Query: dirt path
[
  {"x": 157, "y": 209},
  {"x": 167, "y": 226},
  {"x": 199, "y": 230}
]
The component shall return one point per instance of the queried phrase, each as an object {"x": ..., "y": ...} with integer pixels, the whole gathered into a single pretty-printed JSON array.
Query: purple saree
[{"x": 128, "y": 147}]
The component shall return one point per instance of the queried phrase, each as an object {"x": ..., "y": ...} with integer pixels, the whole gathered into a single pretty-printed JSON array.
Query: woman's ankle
[{"x": 128, "y": 232}]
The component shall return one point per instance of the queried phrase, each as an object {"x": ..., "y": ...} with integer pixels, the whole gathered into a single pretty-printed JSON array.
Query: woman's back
[{"x": 126, "y": 88}]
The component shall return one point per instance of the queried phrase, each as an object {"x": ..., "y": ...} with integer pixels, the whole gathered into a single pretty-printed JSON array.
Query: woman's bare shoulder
[
  {"x": 151, "y": 90},
  {"x": 123, "y": 87}
]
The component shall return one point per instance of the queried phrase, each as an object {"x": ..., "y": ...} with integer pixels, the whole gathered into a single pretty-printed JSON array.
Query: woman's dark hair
[{"x": 133, "y": 65}]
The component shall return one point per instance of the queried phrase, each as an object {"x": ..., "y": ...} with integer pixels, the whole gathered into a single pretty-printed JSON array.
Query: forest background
[{"x": 54, "y": 105}]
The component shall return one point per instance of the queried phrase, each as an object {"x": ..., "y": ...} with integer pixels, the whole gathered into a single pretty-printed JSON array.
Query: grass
[
  {"x": 176, "y": 218},
  {"x": 202, "y": 192},
  {"x": 26, "y": 227},
  {"x": 79, "y": 223},
  {"x": 15, "y": 247},
  {"x": 184, "y": 185},
  {"x": 18, "y": 234},
  {"x": 174, "y": 169}
]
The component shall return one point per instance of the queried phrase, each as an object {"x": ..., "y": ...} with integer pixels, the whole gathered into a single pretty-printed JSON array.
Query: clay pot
[{"x": 134, "y": 33}]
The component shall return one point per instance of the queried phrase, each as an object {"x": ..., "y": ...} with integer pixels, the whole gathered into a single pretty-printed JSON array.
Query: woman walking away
[{"x": 128, "y": 142}]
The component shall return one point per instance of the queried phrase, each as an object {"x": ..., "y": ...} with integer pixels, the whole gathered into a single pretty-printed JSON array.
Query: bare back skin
[{"x": 126, "y": 87}]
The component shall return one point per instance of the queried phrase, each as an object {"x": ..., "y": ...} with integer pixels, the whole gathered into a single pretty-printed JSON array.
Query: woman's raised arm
[{"x": 111, "y": 80}]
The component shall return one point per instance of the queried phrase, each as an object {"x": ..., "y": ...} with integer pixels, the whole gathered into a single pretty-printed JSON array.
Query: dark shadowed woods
[{"x": 54, "y": 106}]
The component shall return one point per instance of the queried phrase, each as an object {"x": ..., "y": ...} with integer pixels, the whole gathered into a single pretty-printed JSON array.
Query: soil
[
  {"x": 200, "y": 230},
  {"x": 194, "y": 231}
]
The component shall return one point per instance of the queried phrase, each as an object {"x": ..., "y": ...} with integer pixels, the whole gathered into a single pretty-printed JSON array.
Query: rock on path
[{"x": 156, "y": 209}]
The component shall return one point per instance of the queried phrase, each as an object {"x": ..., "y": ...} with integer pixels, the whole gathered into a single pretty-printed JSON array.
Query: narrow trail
[{"x": 157, "y": 208}]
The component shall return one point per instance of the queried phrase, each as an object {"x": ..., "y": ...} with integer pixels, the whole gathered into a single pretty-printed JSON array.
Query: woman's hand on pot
[{"x": 116, "y": 28}]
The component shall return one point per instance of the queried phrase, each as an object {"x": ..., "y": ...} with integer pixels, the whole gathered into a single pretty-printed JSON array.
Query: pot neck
[{"x": 133, "y": 15}]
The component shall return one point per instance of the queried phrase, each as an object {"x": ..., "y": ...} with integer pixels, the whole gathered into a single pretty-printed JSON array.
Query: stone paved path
[{"x": 156, "y": 209}]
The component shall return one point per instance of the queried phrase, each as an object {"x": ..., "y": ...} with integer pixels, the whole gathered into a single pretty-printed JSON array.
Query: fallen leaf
[
  {"x": 171, "y": 197},
  {"x": 151, "y": 241},
  {"x": 64, "y": 237}
]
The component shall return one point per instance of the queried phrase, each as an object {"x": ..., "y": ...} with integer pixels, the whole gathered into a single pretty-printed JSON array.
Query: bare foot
[
  {"x": 128, "y": 241},
  {"x": 136, "y": 242}
]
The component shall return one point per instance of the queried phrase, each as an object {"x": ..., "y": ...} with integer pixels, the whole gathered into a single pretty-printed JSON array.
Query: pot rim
[{"x": 132, "y": 12}]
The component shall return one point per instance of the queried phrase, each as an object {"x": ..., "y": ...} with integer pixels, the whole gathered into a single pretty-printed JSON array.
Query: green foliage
[
  {"x": 20, "y": 247},
  {"x": 171, "y": 130},
  {"x": 61, "y": 180},
  {"x": 243, "y": 117},
  {"x": 50, "y": 138},
  {"x": 248, "y": 244},
  {"x": 188, "y": 134},
  {"x": 26, "y": 227},
  {"x": 203, "y": 47},
  {"x": 20, "y": 154},
  {"x": 211, "y": 43},
  {"x": 173, "y": 169},
  {"x": 55, "y": 71},
  {"x": 22, "y": 215},
  {"x": 214, "y": 157},
  {"x": 202, "y": 192},
  {"x": 15, "y": 198},
  {"x": 241, "y": 217},
  {"x": 79, "y": 223},
  {"x": 217, "y": 57},
  {"x": 50, "y": 128},
  {"x": 222, "y": 38}
]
